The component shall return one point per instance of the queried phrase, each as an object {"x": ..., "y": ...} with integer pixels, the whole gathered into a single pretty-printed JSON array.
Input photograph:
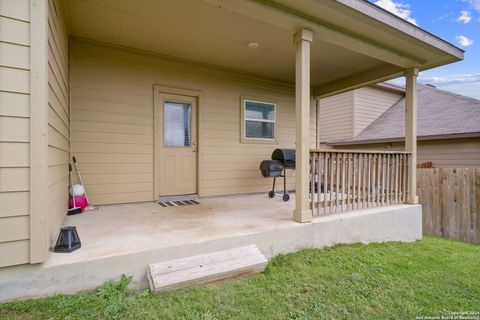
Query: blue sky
[{"x": 458, "y": 22}]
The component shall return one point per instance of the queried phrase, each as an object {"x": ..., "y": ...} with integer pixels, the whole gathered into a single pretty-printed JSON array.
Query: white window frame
[{"x": 244, "y": 137}]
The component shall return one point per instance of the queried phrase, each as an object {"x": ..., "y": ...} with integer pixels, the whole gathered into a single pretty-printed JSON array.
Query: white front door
[{"x": 176, "y": 145}]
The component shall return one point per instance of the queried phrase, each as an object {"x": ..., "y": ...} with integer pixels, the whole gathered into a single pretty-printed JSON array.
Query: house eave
[
  {"x": 402, "y": 139},
  {"x": 390, "y": 87},
  {"x": 378, "y": 13}
]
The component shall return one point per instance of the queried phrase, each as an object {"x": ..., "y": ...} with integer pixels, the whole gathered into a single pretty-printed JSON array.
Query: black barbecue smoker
[{"x": 282, "y": 159}]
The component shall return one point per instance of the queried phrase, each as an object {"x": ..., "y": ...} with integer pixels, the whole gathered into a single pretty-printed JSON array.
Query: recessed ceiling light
[{"x": 253, "y": 45}]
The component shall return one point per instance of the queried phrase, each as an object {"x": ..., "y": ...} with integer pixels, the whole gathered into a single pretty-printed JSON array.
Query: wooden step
[{"x": 205, "y": 268}]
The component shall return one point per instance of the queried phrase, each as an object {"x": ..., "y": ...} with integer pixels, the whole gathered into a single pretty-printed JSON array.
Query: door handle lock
[{"x": 194, "y": 146}]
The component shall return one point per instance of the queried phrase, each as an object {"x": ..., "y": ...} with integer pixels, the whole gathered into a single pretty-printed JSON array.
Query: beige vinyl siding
[
  {"x": 336, "y": 117},
  {"x": 58, "y": 119},
  {"x": 443, "y": 153},
  {"x": 450, "y": 153},
  {"x": 112, "y": 122},
  {"x": 14, "y": 131},
  {"x": 370, "y": 103}
]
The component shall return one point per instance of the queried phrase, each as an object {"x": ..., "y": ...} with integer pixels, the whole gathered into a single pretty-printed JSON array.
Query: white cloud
[
  {"x": 469, "y": 90},
  {"x": 442, "y": 17},
  {"x": 398, "y": 8},
  {"x": 474, "y": 3},
  {"x": 465, "y": 84},
  {"x": 468, "y": 78},
  {"x": 464, "y": 41},
  {"x": 465, "y": 16}
]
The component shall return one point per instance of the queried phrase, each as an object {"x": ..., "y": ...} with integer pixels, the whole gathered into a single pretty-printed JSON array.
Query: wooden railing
[{"x": 349, "y": 180}]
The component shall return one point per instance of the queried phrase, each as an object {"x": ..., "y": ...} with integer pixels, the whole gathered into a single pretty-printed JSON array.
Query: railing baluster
[
  {"x": 312, "y": 180},
  {"x": 360, "y": 181},
  {"x": 364, "y": 179},
  {"x": 342, "y": 189},
  {"x": 393, "y": 181},
  {"x": 369, "y": 182},
  {"x": 387, "y": 184},
  {"x": 380, "y": 178},
  {"x": 354, "y": 173},
  {"x": 349, "y": 172},
  {"x": 374, "y": 181},
  {"x": 337, "y": 187},
  {"x": 402, "y": 181},
  {"x": 325, "y": 182},
  {"x": 384, "y": 179},
  {"x": 379, "y": 166},
  {"x": 374, "y": 171},
  {"x": 400, "y": 178},
  {"x": 316, "y": 185},
  {"x": 405, "y": 177},
  {"x": 332, "y": 176},
  {"x": 396, "y": 178},
  {"x": 318, "y": 181},
  {"x": 315, "y": 182}
]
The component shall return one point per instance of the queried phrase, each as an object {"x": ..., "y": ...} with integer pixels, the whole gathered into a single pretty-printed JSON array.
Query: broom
[
  {"x": 89, "y": 207},
  {"x": 74, "y": 209}
]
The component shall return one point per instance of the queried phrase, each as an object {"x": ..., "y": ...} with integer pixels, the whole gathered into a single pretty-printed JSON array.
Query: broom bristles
[{"x": 75, "y": 210}]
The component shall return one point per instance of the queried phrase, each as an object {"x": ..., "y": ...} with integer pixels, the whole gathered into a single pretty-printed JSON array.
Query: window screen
[
  {"x": 177, "y": 124},
  {"x": 259, "y": 120}
]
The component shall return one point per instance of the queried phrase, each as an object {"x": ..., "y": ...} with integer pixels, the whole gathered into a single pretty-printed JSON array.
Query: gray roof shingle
[{"x": 439, "y": 113}]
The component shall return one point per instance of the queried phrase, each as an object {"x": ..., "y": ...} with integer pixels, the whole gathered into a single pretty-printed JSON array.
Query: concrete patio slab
[{"x": 125, "y": 239}]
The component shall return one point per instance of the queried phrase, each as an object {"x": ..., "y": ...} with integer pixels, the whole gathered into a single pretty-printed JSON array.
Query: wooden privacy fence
[
  {"x": 450, "y": 199},
  {"x": 349, "y": 180}
]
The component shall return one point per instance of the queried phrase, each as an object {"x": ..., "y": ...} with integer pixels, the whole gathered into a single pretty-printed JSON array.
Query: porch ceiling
[{"x": 218, "y": 32}]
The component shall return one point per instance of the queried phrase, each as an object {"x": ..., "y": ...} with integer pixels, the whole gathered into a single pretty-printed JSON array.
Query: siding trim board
[
  {"x": 38, "y": 131},
  {"x": 58, "y": 119},
  {"x": 15, "y": 89}
]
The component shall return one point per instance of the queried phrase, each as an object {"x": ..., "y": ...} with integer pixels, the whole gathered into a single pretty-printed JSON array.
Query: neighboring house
[
  {"x": 448, "y": 128},
  {"x": 343, "y": 116},
  {"x": 167, "y": 98}
]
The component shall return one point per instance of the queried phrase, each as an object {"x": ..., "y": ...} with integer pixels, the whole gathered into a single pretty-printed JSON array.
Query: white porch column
[
  {"x": 302, "y": 39},
  {"x": 411, "y": 131}
]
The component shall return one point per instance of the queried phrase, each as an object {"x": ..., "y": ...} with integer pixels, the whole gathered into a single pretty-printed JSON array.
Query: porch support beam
[
  {"x": 365, "y": 78},
  {"x": 302, "y": 40},
  {"x": 411, "y": 131}
]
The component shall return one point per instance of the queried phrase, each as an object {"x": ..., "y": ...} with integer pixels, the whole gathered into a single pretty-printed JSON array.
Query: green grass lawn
[{"x": 431, "y": 277}]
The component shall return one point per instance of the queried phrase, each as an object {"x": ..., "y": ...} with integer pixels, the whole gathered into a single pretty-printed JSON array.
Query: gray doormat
[{"x": 178, "y": 203}]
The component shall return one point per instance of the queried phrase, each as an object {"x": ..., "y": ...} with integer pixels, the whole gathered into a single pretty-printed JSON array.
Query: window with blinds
[
  {"x": 259, "y": 120},
  {"x": 177, "y": 124}
]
